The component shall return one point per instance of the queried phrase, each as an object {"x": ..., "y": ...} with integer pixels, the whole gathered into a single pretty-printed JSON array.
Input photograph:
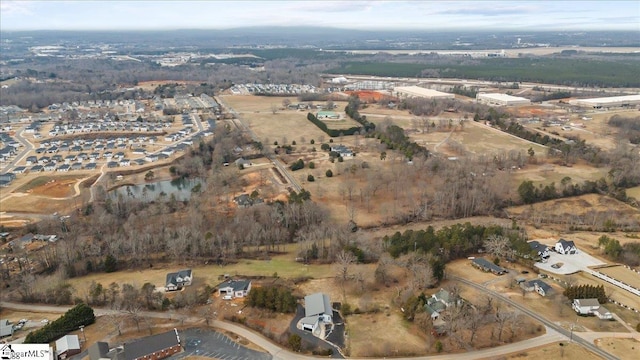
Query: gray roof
[
  {"x": 316, "y": 304},
  {"x": 98, "y": 350},
  {"x": 236, "y": 285},
  {"x": 541, "y": 284},
  {"x": 587, "y": 302},
  {"x": 150, "y": 344},
  {"x": 66, "y": 343},
  {"x": 488, "y": 265},
  {"x": 566, "y": 243}
]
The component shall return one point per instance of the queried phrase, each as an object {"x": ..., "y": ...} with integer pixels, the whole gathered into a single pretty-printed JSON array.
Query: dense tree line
[
  {"x": 333, "y": 132},
  {"x": 586, "y": 292},
  {"x": 629, "y": 127},
  {"x": 274, "y": 298},
  {"x": 351, "y": 110},
  {"x": 79, "y": 315},
  {"x": 394, "y": 138}
]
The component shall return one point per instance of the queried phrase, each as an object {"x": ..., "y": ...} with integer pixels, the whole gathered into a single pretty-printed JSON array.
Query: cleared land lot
[
  {"x": 378, "y": 335},
  {"x": 622, "y": 348},
  {"x": 482, "y": 139},
  {"x": 555, "y": 351},
  {"x": 285, "y": 124},
  {"x": 548, "y": 173},
  {"x": 623, "y": 274}
]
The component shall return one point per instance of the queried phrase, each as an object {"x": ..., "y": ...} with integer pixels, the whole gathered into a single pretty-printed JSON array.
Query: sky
[{"x": 366, "y": 15}]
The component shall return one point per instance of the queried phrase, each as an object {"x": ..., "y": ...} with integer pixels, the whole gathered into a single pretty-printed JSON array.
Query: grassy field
[
  {"x": 379, "y": 335},
  {"x": 555, "y": 351},
  {"x": 285, "y": 124},
  {"x": 623, "y": 274},
  {"x": 481, "y": 139},
  {"x": 612, "y": 291},
  {"x": 634, "y": 192},
  {"x": 622, "y": 348},
  {"x": 44, "y": 180},
  {"x": 284, "y": 265}
]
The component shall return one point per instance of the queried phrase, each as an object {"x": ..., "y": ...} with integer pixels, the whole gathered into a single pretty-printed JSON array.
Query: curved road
[
  {"x": 279, "y": 353},
  {"x": 549, "y": 324}
]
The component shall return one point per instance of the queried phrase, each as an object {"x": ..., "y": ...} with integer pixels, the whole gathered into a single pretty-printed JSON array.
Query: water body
[{"x": 181, "y": 188}]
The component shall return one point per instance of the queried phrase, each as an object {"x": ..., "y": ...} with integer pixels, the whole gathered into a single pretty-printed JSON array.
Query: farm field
[
  {"x": 547, "y": 173},
  {"x": 623, "y": 274},
  {"x": 481, "y": 139}
]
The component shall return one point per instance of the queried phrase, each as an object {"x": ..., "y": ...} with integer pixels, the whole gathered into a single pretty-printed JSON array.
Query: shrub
[
  {"x": 329, "y": 173},
  {"x": 110, "y": 264},
  {"x": 312, "y": 141},
  {"x": 439, "y": 346},
  {"x": 310, "y": 178},
  {"x": 79, "y": 315},
  {"x": 293, "y": 142},
  {"x": 312, "y": 165}
]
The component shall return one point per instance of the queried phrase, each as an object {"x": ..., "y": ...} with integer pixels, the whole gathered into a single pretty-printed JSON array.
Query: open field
[
  {"x": 481, "y": 139},
  {"x": 547, "y": 173},
  {"x": 285, "y": 124},
  {"x": 596, "y": 131},
  {"x": 622, "y": 348},
  {"x": 623, "y": 274},
  {"x": 555, "y": 351},
  {"x": 36, "y": 204},
  {"x": 55, "y": 187},
  {"x": 596, "y": 206},
  {"x": 379, "y": 335},
  {"x": 634, "y": 192}
]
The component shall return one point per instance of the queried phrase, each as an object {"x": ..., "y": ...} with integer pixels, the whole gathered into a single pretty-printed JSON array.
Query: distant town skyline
[{"x": 364, "y": 15}]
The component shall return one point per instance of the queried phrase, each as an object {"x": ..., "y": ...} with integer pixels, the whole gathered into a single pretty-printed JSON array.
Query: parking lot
[
  {"x": 570, "y": 263},
  {"x": 215, "y": 345}
]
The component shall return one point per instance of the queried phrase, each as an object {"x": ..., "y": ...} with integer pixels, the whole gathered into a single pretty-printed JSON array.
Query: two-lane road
[{"x": 569, "y": 334}]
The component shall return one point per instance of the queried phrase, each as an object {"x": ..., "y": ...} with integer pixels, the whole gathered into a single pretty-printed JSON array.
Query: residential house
[
  {"x": 585, "y": 306},
  {"x": 438, "y": 303},
  {"x": 234, "y": 289},
  {"x": 242, "y": 163},
  {"x": 125, "y": 162},
  {"x": 90, "y": 166},
  {"x": 19, "y": 170},
  {"x": 76, "y": 166},
  {"x": 66, "y": 346},
  {"x": 178, "y": 280},
  {"x": 6, "y": 328},
  {"x": 245, "y": 200},
  {"x": 51, "y": 166},
  {"x": 317, "y": 310},
  {"x": 31, "y": 160},
  {"x": 541, "y": 250},
  {"x": 603, "y": 314},
  {"x": 63, "y": 168},
  {"x": 155, "y": 347},
  {"x": 343, "y": 151},
  {"x": 566, "y": 247},
  {"x": 327, "y": 115},
  {"x": 486, "y": 265},
  {"x": 36, "y": 168},
  {"x": 538, "y": 286}
]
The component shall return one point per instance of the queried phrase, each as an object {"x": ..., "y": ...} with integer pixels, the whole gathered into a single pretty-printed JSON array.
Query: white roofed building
[
  {"x": 497, "y": 99},
  {"x": 420, "y": 92}
]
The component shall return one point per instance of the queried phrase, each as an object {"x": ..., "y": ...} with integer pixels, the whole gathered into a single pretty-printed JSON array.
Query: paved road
[
  {"x": 568, "y": 334},
  {"x": 28, "y": 146},
  {"x": 283, "y": 170},
  {"x": 278, "y": 353}
]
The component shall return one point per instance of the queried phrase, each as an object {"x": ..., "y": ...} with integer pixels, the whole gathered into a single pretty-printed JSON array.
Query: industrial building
[
  {"x": 420, "y": 92},
  {"x": 605, "y": 102},
  {"x": 497, "y": 99}
]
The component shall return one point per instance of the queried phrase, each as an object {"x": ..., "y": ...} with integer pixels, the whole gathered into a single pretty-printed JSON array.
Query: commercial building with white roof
[
  {"x": 501, "y": 99},
  {"x": 613, "y": 101},
  {"x": 420, "y": 92}
]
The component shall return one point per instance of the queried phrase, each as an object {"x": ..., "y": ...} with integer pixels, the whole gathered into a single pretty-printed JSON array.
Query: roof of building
[
  {"x": 422, "y": 92},
  {"x": 541, "y": 284},
  {"x": 236, "y": 285},
  {"x": 443, "y": 295},
  {"x": 587, "y": 302},
  {"x": 566, "y": 243},
  {"x": 67, "y": 342},
  {"x": 150, "y": 344},
  {"x": 602, "y": 310},
  {"x": 488, "y": 264},
  {"x": 502, "y": 97},
  {"x": 98, "y": 350},
  {"x": 610, "y": 100},
  {"x": 535, "y": 245},
  {"x": 316, "y": 304}
]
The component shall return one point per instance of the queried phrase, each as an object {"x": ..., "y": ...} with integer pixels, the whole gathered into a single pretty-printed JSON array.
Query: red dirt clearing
[{"x": 368, "y": 96}]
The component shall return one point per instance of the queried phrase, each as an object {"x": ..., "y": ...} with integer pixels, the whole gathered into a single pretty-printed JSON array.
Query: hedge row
[{"x": 80, "y": 315}]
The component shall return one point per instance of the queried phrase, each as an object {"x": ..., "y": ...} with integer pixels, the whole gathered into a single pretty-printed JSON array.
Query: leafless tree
[{"x": 498, "y": 246}]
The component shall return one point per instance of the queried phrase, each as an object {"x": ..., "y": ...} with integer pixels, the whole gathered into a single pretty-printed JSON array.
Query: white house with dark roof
[
  {"x": 178, "y": 280},
  {"x": 234, "y": 289},
  {"x": 566, "y": 247}
]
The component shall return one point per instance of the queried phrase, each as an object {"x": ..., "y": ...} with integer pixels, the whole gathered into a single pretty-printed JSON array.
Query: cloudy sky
[{"x": 438, "y": 15}]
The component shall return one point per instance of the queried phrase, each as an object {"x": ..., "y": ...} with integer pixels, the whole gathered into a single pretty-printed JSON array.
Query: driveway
[
  {"x": 308, "y": 338},
  {"x": 213, "y": 344},
  {"x": 570, "y": 263}
]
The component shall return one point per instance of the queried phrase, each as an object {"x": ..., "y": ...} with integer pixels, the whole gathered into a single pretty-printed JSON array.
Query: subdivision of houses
[
  {"x": 486, "y": 266},
  {"x": 591, "y": 307},
  {"x": 566, "y": 247},
  {"x": 317, "y": 311},
  {"x": 153, "y": 347},
  {"x": 231, "y": 289},
  {"x": 178, "y": 280}
]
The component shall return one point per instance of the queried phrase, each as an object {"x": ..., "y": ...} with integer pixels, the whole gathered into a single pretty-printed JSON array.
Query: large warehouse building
[
  {"x": 501, "y": 99},
  {"x": 614, "y": 101},
  {"x": 420, "y": 92}
]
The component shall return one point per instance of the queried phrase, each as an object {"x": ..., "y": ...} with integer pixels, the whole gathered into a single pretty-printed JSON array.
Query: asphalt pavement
[
  {"x": 309, "y": 338},
  {"x": 213, "y": 344}
]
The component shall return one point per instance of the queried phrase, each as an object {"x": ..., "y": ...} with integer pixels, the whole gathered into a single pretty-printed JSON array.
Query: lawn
[
  {"x": 555, "y": 351},
  {"x": 622, "y": 348},
  {"x": 481, "y": 139},
  {"x": 379, "y": 335}
]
